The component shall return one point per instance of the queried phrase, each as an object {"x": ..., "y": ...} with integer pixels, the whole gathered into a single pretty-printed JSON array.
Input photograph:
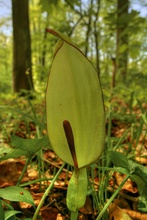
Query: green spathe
[
  {"x": 77, "y": 189},
  {"x": 74, "y": 95}
]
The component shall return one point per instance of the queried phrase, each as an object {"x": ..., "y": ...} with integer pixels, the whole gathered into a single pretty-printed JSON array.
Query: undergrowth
[{"x": 23, "y": 135}]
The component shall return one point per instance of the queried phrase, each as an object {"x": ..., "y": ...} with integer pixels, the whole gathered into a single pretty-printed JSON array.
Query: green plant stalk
[
  {"x": 46, "y": 193},
  {"x": 109, "y": 126},
  {"x": 131, "y": 102},
  {"x": 139, "y": 131},
  {"x": 112, "y": 198},
  {"x": 101, "y": 192},
  {"x": 39, "y": 154},
  {"x": 2, "y": 215},
  {"x": 140, "y": 105},
  {"x": 34, "y": 181},
  {"x": 32, "y": 108},
  {"x": 23, "y": 171},
  {"x": 74, "y": 215},
  {"x": 121, "y": 139}
]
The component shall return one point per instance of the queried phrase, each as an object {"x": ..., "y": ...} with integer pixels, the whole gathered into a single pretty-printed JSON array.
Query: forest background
[{"x": 112, "y": 34}]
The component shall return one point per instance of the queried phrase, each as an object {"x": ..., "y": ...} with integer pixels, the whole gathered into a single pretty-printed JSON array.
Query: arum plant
[{"x": 75, "y": 116}]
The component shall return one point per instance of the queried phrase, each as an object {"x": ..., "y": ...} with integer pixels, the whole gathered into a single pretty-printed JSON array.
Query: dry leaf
[
  {"x": 118, "y": 214},
  {"x": 49, "y": 213},
  {"x": 59, "y": 217},
  {"x": 87, "y": 208},
  {"x": 10, "y": 171},
  {"x": 128, "y": 186}
]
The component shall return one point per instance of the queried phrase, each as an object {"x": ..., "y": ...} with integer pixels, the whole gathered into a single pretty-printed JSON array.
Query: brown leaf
[
  {"x": 118, "y": 213},
  {"x": 49, "y": 213},
  {"x": 10, "y": 171},
  {"x": 128, "y": 186},
  {"x": 87, "y": 208}
]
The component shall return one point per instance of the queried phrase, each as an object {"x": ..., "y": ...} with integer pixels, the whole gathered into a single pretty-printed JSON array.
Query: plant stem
[
  {"x": 112, "y": 198},
  {"x": 74, "y": 215},
  {"x": 24, "y": 170},
  {"x": 46, "y": 193}
]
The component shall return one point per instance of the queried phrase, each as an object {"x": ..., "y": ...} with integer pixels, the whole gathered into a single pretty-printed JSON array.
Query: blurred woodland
[{"x": 111, "y": 34}]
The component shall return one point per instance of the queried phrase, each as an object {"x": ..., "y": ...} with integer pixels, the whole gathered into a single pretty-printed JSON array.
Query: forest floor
[{"x": 124, "y": 206}]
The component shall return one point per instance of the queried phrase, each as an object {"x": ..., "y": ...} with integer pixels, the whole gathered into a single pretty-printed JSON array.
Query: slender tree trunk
[
  {"x": 96, "y": 36},
  {"x": 89, "y": 24},
  {"x": 22, "y": 70},
  {"x": 113, "y": 72},
  {"x": 122, "y": 38},
  {"x": 43, "y": 59}
]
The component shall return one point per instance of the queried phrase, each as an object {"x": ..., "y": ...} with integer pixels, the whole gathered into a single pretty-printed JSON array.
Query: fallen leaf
[
  {"x": 59, "y": 217},
  {"x": 49, "y": 213},
  {"x": 10, "y": 171},
  {"x": 128, "y": 186},
  {"x": 118, "y": 214}
]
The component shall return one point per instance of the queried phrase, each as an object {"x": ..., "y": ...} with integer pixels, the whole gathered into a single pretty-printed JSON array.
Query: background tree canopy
[{"x": 112, "y": 34}]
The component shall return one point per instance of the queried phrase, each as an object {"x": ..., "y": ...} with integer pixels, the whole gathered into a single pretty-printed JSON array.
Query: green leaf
[
  {"x": 142, "y": 188},
  {"x": 30, "y": 145},
  {"x": 4, "y": 151},
  {"x": 140, "y": 183},
  {"x": 14, "y": 153},
  {"x": 138, "y": 174},
  {"x": 10, "y": 213},
  {"x": 134, "y": 52},
  {"x": 142, "y": 204},
  {"x": 47, "y": 5},
  {"x": 17, "y": 194},
  {"x": 118, "y": 159},
  {"x": 138, "y": 169},
  {"x": 26, "y": 147},
  {"x": 123, "y": 48}
]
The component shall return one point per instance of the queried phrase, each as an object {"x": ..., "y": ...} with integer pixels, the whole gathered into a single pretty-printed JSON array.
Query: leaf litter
[{"x": 124, "y": 207}]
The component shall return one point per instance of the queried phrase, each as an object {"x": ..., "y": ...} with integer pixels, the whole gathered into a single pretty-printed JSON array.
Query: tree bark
[
  {"x": 22, "y": 69},
  {"x": 122, "y": 38}
]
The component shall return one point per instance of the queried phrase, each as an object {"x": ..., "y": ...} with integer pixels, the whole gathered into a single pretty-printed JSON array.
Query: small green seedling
[{"x": 75, "y": 116}]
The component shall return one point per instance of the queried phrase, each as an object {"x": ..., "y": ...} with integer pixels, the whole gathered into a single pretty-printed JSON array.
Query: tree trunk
[
  {"x": 88, "y": 32},
  {"x": 97, "y": 36},
  {"x": 122, "y": 38},
  {"x": 22, "y": 70}
]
